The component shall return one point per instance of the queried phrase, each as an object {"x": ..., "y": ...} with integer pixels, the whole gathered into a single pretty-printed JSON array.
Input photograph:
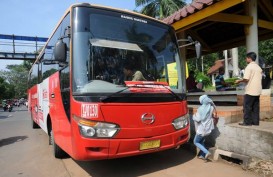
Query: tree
[
  {"x": 6, "y": 89},
  {"x": 159, "y": 8},
  {"x": 265, "y": 51},
  {"x": 2, "y": 88},
  {"x": 16, "y": 78},
  {"x": 208, "y": 62},
  {"x": 27, "y": 64}
]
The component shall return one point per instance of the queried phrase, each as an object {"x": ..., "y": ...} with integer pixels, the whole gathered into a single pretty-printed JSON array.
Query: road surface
[{"x": 24, "y": 152}]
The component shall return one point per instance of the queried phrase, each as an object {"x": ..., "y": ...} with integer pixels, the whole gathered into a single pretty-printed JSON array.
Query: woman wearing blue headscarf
[{"x": 204, "y": 124}]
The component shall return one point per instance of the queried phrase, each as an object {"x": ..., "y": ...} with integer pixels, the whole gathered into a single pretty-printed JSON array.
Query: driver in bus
[{"x": 131, "y": 74}]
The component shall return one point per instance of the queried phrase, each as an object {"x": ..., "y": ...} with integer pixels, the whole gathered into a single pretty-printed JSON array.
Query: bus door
[
  {"x": 43, "y": 104},
  {"x": 59, "y": 118}
]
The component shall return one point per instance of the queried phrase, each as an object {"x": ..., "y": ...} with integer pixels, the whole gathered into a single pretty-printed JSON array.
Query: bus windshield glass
[{"x": 112, "y": 49}]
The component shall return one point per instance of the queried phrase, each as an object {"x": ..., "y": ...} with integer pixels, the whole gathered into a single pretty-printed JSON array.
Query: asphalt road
[{"x": 24, "y": 152}]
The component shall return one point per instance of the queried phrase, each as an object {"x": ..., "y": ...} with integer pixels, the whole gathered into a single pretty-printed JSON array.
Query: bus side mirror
[
  {"x": 60, "y": 50},
  {"x": 198, "y": 49}
]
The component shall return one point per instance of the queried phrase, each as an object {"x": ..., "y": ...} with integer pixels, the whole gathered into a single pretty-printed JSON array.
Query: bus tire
[
  {"x": 57, "y": 151},
  {"x": 34, "y": 124}
]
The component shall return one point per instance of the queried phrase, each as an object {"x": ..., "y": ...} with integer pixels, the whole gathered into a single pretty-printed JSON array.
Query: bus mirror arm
[
  {"x": 67, "y": 33},
  {"x": 192, "y": 42}
]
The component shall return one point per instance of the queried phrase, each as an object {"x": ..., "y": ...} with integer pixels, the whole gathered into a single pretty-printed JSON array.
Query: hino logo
[{"x": 148, "y": 118}]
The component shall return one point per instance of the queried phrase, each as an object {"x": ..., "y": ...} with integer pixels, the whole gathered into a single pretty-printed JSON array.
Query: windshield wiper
[
  {"x": 171, "y": 92},
  {"x": 103, "y": 99}
]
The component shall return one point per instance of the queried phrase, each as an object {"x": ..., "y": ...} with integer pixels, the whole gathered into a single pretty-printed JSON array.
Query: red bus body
[{"x": 140, "y": 127}]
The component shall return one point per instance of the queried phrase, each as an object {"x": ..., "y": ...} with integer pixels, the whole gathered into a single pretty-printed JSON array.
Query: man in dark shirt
[
  {"x": 192, "y": 84},
  {"x": 220, "y": 83}
]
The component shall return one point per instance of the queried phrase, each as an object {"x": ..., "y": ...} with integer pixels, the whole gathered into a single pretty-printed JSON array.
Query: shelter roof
[{"x": 220, "y": 24}]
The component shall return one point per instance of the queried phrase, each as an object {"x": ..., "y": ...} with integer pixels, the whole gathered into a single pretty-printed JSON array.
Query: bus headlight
[
  {"x": 181, "y": 122},
  {"x": 93, "y": 129}
]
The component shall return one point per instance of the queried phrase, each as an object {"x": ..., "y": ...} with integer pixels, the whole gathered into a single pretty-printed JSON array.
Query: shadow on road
[
  {"x": 137, "y": 165},
  {"x": 10, "y": 140},
  {"x": 4, "y": 117}
]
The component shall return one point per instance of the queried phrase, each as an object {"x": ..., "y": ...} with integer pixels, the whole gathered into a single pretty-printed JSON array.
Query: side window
[
  {"x": 65, "y": 69},
  {"x": 49, "y": 65},
  {"x": 40, "y": 73},
  {"x": 33, "y": 77}
]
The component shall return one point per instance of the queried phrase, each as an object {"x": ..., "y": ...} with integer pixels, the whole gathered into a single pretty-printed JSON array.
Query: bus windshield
[{"x": 112, "y": 48}]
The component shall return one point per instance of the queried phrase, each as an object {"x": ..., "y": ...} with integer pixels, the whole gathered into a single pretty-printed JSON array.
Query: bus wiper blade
[
  {"x": 172, "y": 93},
  {"x": 103, "y": 99}
]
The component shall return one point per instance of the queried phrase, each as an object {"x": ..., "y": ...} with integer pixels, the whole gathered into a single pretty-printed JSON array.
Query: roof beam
[
  {"x": 265, "y": 24},
  {"x": 208, "y": 11},
  {"x": 267, "y": 8},
  {"x": 231, "y": 18},
  {"x": 195, "y": 36}
]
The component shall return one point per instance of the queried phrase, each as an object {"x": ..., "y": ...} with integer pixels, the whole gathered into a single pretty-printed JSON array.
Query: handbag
[{"x": 215, "y": 116}]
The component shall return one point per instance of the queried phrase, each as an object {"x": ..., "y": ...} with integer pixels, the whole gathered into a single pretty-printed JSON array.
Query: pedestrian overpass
[{"x": 14, "y": 47}]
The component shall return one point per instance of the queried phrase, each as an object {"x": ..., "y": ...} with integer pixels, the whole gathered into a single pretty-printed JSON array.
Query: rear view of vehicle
[{"x": 89, "y": 107}]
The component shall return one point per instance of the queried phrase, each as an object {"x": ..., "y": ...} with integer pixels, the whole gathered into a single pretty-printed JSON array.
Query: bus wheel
[
  {"x": 57, "y": 151},
  {"x": 34, "y": 124}
]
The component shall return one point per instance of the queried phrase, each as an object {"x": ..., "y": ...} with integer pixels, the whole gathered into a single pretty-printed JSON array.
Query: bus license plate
[{"x": 149, "y": 144}]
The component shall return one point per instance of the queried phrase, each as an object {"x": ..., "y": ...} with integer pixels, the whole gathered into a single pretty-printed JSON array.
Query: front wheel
[
  {"x": 57, "y": 151},
  {"x": 33, "y": 123}
]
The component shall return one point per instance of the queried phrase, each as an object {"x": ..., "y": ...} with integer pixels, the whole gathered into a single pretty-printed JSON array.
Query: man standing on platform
[{"x": 253, "y": 79}]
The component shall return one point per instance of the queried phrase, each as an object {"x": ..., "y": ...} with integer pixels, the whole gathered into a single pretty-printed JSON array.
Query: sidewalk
[{"x": 251, "y": 144}]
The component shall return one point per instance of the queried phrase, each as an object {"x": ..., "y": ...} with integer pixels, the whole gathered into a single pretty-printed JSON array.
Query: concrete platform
[
  {"x": 239, "y": 142},
  {"x": 245, "y": 159}
]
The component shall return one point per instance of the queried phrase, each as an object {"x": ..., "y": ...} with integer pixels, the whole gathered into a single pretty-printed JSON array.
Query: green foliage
[
  {"x": 196, "y": 65},
  {"x": 242, "y": 55},
  {"x": 265, "y": 51},
  {"x": 231, "y": 81},
  {"x": 208, "y": 61},
  {"x": 2, "y": 88},
  {"x": 6, "y": 89},
  {"x": 204, "y": 78},
  {"x": 159, "y": 8},
  {"x": 15, "y": 81},
  {"x": 27, "y": 64}
]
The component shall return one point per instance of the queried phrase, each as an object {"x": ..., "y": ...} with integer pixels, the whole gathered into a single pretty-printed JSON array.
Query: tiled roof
[{"x": 189, "y": 9}]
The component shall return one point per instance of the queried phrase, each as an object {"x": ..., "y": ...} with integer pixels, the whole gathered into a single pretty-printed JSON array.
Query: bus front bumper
[{"x": 98, "y": 149}]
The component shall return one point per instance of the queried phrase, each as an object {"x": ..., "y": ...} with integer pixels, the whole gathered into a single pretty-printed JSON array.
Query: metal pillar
[
  {"x": 183, "y": 51},
  {"x": 13, "y": 43},
  {"x": 252, "y": 30},
  {"x": 36, "y": 43}
]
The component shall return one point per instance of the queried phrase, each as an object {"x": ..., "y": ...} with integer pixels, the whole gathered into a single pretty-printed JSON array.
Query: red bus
[{"x": 79, "y": 94}]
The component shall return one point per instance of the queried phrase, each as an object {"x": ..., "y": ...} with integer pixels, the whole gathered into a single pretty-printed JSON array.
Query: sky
[{"x": 39, "y": 17}]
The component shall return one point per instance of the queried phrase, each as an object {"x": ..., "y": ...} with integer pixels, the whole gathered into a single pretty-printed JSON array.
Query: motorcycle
[{"x": 8, "y": 107}]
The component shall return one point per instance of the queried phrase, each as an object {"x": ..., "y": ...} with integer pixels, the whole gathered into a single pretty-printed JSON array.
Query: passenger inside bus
[
  {"x": 101, "y": 70},
  {"x": 132, "y": 74}
]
